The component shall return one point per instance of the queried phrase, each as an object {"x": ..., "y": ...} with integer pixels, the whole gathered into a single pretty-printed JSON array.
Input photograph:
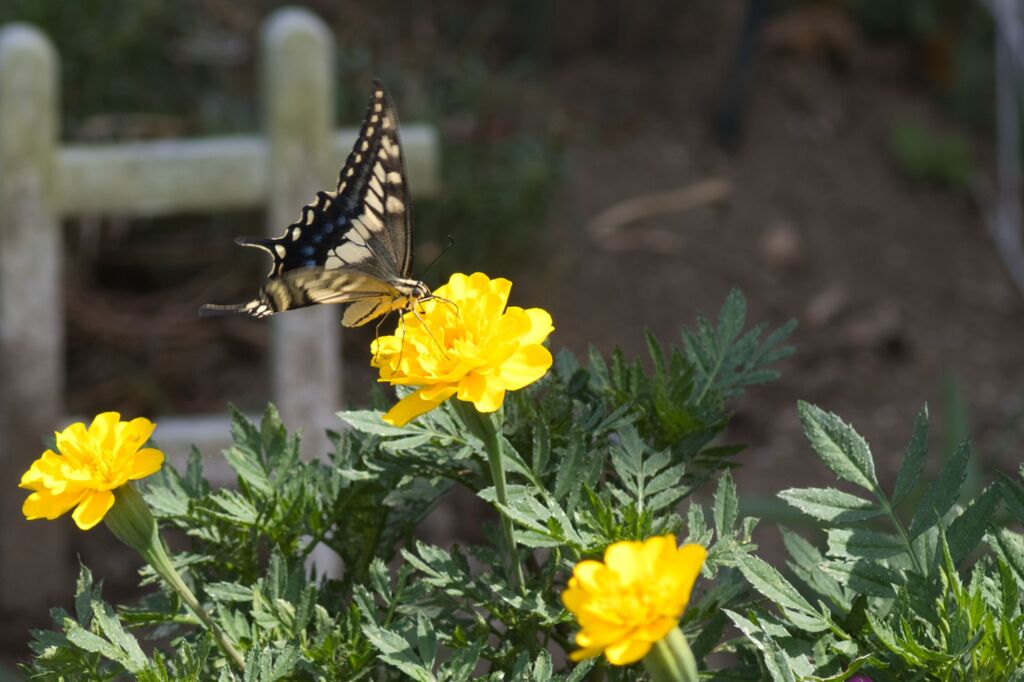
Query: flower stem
[
  {"x": 487, "y": 427},
  {"x": 133, "y": 524},
  {"x": 670, "y": 659}
]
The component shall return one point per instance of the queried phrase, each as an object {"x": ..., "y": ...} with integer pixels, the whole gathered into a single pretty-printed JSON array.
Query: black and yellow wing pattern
[{"x": 352, "y": 245}]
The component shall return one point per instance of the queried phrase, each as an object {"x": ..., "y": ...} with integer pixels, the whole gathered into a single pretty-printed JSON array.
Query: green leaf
[
  {"x": 913, "y": 458},
  {"x": 942, "y": 493},
  {"x": 806, "y": 564},
  {"x": 129, "y": 653},
  {"x": 966, "y": 531},
  {"x": 726, "y": 507},
  {"x": 859, "y": 543},
  {"x": 886, "y": 636},
  {"x": 829, "y": 504},
  {"x": 249, "y": 469},
  {"x": 769, "y": 582},
  {"x": 369, "y": 421},
  {"x": 774, "y": 657},
  {"x": 394, "y": 650},
  {"x": 228, "y": 592},
  {"x": 841, "y": 448},
  {"x": 864, "y": 577},
  {"x": 1013, "y": 494},
  {"x": 1009, "y": 546}
]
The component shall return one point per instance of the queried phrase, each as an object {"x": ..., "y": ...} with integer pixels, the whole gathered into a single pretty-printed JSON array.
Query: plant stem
[
  {"x": 133, "y": 524},
  {"x": 903, "y": 534},
  {"x": 487, "y": 427},
  {"x": 671, "y": 660},
  {"x": 161, "y": 563}
]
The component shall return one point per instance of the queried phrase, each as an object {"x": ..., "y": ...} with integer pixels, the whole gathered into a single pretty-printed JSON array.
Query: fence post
[
  {"x": 31, "y": 313},
  {"x": 298, "y": 96}
]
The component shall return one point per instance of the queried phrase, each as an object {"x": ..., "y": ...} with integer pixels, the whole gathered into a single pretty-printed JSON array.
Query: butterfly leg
[
  {"x": 401, "y": 348},
  {"x": 376, "y": 334},
  {"x": 427, "y": 329}
]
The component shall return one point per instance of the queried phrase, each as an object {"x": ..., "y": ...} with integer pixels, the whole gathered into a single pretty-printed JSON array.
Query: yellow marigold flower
[
  {"x": 633, "y": 598},
  {"x": 92, "y": 463},
  {"x": 463, "y": 343}
]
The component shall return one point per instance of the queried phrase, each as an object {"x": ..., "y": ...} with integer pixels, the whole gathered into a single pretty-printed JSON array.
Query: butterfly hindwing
[{"x": 361, "y": 231}]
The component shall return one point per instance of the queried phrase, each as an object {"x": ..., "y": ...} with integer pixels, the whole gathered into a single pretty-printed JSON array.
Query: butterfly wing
[{"x": 349, "y": 244}]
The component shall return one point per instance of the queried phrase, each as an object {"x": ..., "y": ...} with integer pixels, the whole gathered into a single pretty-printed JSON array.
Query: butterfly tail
[
  {"x": 265, "y": 243},
  {"x": 256, "y": 307}
]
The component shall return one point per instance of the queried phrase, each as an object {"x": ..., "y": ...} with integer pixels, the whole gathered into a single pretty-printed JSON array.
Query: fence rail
[
  {"x": 41, "y": 181},
  {"x": 145, "y": 179}
]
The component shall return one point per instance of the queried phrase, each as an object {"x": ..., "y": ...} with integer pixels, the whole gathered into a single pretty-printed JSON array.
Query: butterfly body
[{"x": 352, "y": 245}]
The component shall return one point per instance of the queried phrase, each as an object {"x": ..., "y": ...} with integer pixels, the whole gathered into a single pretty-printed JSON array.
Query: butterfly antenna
[
  {"x": 451, "y": 243},
  {"x": 444, "y": 300}
]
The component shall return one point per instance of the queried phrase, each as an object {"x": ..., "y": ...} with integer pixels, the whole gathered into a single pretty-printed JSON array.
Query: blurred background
[{"x": 625, "y": 164}]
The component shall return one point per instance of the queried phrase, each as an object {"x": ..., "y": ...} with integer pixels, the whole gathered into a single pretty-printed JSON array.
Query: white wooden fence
[{"x": 42, "y": 181}]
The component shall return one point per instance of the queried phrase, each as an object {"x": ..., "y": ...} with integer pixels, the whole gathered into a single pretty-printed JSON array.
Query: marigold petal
[
  {"x": 484, "y": 391},
  {"x": 146, "y": 461},
  {"x": 653, "y": 632},
  {"x": 541, "y": 326},
  {"x": 408, "y": 408},
  {"x": 627, "y": 651},
  {"x": 103, "y": 429},
  {"x": 525, "y": 366},
  {"x": 38, "y": 471},
  {"x": 93, "y": 508},
  {"x": 44, "y": 505},
  {"x": 138, "y": 430},
  {"x": 582, "y": 654},
  {"x": 70, "y": 440},
  {"x": 688, "y": 561},
  {"x": 626, "y": 560},
  {"x": 437, "y": 394},
  {"x": 585, "y": 573}
]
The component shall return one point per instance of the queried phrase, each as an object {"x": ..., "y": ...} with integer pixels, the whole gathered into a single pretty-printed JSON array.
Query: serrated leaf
[
  {"x": 859, "y": 543},
  {"x": 967, "y": 530},
  {"x": 942, "y": 493},
  {"x": 129, "y": 653},
  {"x": 369, "y": 421},
  {"x": 1013, "y": 494},
  {"x": 775, "y": 659},
  {"x": 769, "y": 582},
  {"x": 807, "y": 561},
  {"x": 829, "y": 504},
  {"x": 886, "y": 636},
  {"x": 726, "y": 507},
  {"x": 249, "y": 469},
  {"x": 841, "y": 448},
  {"x": 394, "y": 650},
  {"x": 913, "y": 458},
  {"x": 235, "y": 507},
  {"x": 228, "y": 592},
  {"x": 864, "y": 577},
  {"x": 1009, "y": 546}
]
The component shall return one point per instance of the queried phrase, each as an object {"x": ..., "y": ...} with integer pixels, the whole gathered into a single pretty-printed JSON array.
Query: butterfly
[{"x": 352, "y": 245}]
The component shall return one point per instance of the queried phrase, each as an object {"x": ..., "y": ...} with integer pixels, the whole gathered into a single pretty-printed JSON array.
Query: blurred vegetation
[
  {"x": 147, "y": 68},
  {"x": 953, "y": 43},
  {"x": 928, "y": 157}
]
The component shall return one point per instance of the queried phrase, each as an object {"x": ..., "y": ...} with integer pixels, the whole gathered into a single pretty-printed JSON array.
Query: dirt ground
[{"x": 894, "y": 287}]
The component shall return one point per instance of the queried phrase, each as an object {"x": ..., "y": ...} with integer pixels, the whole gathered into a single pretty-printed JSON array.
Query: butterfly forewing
[{"x": 352, "y": 244}]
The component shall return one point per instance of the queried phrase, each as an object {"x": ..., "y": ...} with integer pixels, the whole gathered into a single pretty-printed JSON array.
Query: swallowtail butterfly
[{"x": 352, "y": 245}]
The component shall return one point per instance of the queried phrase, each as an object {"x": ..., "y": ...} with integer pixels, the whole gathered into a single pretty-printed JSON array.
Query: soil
[{"x": 894, "y": 287}]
